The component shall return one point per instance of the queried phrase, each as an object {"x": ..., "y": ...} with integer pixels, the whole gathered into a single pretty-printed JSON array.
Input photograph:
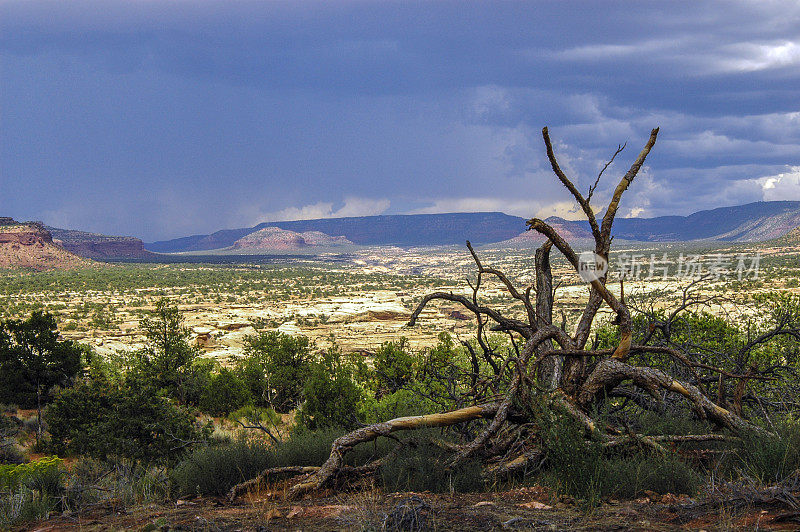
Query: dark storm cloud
[{"x": 164, "y": 118}]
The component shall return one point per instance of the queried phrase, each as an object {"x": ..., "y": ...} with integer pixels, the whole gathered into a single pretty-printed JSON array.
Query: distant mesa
[
  {"x": 61, "y": 248},
  {"x": 318, "y": 238},
  {"x": 277, "y": 239},
  {"x": 29, "y": 245},
  {"x": 100, "y": 247}
]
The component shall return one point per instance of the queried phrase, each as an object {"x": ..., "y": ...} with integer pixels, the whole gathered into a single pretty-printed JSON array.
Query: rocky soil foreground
[{"x": 529, "y": 508}]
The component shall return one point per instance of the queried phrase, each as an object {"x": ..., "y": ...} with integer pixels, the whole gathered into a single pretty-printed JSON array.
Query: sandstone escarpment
[
  {"x": 30, "y": 245},
  {"x": 100, "y": 247}
]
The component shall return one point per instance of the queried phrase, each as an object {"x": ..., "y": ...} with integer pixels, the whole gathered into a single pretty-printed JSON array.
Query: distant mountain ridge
[
  {"x": 759, "y": 221},
  {"x": 396, "y": 230},
  {"x": 753, "y": 222}
]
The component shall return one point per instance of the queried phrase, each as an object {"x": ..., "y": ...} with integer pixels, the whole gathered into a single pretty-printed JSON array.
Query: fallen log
[{"x": 344, "y": 444}]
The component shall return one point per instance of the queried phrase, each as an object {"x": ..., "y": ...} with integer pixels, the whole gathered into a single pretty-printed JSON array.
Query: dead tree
[{"x": 552, "y": 364}]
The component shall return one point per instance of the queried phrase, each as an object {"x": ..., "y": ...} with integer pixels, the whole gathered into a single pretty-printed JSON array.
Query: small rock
[
  {"x": 232, "y": 325},
  {"x": 323, "y": 512},
  {"x": 274, "y": 513},
  {"x": 669, "y": 498},
  {"x": 515, "y": 522},
  {"x": 535, "y": 505},
  {"x": 483, "y": 503}
]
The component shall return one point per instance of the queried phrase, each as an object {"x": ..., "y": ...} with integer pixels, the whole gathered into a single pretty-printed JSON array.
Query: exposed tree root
[
  {"x": 345, "y": 443},
  {"x": 610, "y": 372},
  {"x": 266, "y": 475},
  {"x": 528, "y": 461}
]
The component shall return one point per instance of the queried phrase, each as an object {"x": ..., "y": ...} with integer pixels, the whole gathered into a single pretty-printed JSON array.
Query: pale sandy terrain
[{"x": 368, "y": 306}]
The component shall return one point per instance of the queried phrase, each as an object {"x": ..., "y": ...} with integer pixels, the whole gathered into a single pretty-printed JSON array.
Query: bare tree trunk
[
  {"x": 570, "y": 377},
  {"x": 551, "y": 369}
]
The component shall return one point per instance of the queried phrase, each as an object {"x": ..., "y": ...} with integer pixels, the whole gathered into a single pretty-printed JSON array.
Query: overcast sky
[{"x": 161, "y": 119}]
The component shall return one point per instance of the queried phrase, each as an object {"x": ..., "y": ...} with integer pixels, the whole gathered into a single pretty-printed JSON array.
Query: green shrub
[
  {"x": 395, "y": 366},
  {"x": 23, "y": 506},
  {"x": 583, "y": 469},
  {"x": 669, "y": 474},
  {"x": 629, "y": 476},
  {"x": 573, "y": 464},
  {"x": 33, "y": 490},
  {"x": 275, "y": 367},
  {"x": 398, "y": 404},
  {"x": 331, "y": 398},
  {"x": 225, "y": 393},
  {"x": 264, "y": 420},
  {"x": 167, "y": 359},
  {"x": 197, "y": 379},
  {"x": 252, "y": 372},
  {"x": 43, "y": 474},
  {"x": 33, "y": 361},
  {"x": 91, "y": 481},
  {"x": 103, "y": 420},
  {"x": 83, "y": 482},
  {"x": 306, "y": 447},
  {"x": 651, "y": 423},
  {"x": 767, "y": 458},
  {"x": 421, "y": 466},
  {"x": 215, "y": 470},
  {"x": 10, "y": 451}
]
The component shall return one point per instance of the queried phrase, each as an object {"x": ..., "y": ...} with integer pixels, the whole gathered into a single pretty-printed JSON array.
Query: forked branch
[{"x": 583, "y": 202}]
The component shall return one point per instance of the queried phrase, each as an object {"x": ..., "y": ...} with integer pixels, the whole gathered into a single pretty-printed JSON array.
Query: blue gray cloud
[{"x": 165, "y": 118}]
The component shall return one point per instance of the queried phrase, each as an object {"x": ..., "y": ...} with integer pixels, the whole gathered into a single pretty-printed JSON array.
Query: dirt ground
[{"x": 529, "y": 508}]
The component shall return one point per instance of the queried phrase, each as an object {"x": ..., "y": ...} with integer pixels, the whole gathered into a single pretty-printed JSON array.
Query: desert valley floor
[{"x": 360, "y": 299}]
